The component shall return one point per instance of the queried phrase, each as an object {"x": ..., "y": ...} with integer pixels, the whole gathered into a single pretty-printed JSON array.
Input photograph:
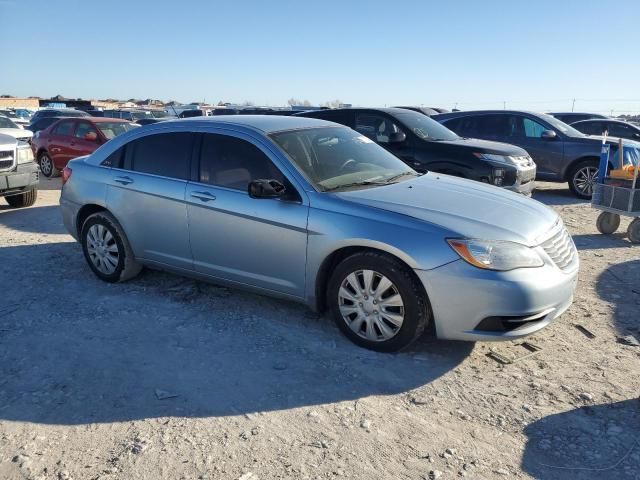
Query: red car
[{"x": 73, "y": 137}]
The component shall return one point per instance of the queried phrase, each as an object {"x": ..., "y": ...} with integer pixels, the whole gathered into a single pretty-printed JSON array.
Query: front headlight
[
  {"x": 25, "y": 155},
  {"x": 490, "y": 157},
  {"x": 495, "y": 255}
]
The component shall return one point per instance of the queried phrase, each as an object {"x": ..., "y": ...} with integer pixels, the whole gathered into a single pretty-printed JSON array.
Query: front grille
[
  {"x": 560, "y": 248},
  {"x": 7, "y": 160}
]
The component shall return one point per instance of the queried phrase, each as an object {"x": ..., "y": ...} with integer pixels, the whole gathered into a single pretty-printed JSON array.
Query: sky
[{"x": 518, "y": 54}]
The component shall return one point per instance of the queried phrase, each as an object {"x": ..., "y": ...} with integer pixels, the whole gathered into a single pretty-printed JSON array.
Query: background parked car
[
  {"x": 42, "y": 123},
  {"x": 7, "y": 127},
  {"x": 18, "y": 173},
  {"x": 614, "y": 128},
  {"x": 69, "y": 138},
  {"x": 57, "y": 112},
  {"x": 424, "y": 144},
  {"x": 562, "y": 153},
  {"x": 14, "y": 117},
  {"x": 316, "y": 213},
  {"x": 424, "y": 110},
  {"x": 571, "y": 117},
  {"x": 131, "y": 115}
]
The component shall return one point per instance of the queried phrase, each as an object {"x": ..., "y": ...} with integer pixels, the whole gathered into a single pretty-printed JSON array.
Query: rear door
[
  {"x": 256, "y": 242},
  {"x": 58, "y": 143},
  {"x": 147, "y": 195}
]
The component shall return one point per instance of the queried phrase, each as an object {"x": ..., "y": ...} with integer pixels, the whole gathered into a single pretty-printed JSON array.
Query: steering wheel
[{"x": 347, "y": 163}]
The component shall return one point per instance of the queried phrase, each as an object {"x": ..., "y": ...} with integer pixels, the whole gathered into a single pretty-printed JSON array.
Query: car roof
[
  {"x": 263, "y": 123},
  {"x": 103, "y": 119},
  {"x": 573, "y": 113},
  {"x": 463, "y": 113},
  {"x": 600, "y": 120}
]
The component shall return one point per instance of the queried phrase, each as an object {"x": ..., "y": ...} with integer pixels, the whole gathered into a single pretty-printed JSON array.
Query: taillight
[{"x": 66, "y": 174}]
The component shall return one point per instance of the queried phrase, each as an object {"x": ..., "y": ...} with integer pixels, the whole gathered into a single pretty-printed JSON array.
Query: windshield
[
  {"x": 113, "y": 129},
  {"x": 424, "y": 127},
  {"x": 8, "y": 113},
  {"x": 6, "y": 123},
  {"x": 563, "y": 127},
  {"x": 335, "y": 158},
  {"x": 160, "y": 114}
]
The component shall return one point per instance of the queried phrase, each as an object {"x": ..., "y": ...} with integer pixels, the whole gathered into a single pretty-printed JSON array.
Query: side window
[
  {"x": 376, "y": 127},
  {"x": 618, "y": 130},
  {"x": 494, "y": 125},
  {"x": 115, "y": 159},
  {"x": 463, "y": 126},
  {"x": 231, "y": 162},
  {"x": 164, "y": 154},
  {"x": 532, "y": 129},
  {"x": 593, "y": 128},
  {"x": 83, "y": 128},
  {"x": 64, "y": 128}
]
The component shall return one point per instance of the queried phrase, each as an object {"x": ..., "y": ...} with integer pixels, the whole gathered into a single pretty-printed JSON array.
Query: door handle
[
  {"x": 204, "y": 196},
  {"x": 123, "y": 180}
]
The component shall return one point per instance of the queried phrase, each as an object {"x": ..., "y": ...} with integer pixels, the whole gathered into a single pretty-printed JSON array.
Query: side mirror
[
  {"x": 266, "y": 189},
  {"x": 636, "y": 135},
  {"x": 397, "y": 137},
  {"x": 91, "y": 136},
  {"x": 549, "y": 134}
]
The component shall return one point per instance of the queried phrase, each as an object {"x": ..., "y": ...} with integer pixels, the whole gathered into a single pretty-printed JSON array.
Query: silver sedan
[{"x": 312, "y": 211}]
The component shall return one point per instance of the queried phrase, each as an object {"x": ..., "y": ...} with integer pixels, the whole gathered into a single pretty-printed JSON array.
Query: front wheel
[
  {"x": 607, "y": 222},
  {"x": 377, "y": 302},
  {"x": 583, "y": 178},
  {"x": 47, "y": 166},
  {"x": 107, "y": 250},
  {"x": 25, "y": 199}
]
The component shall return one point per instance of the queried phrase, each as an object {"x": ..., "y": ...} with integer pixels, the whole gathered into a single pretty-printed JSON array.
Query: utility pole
[
  {"x": 573, "y": 105},
  {"x": 504, "y": 105}
]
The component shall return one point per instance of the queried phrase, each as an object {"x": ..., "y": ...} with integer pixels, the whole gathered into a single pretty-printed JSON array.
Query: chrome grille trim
[
  {"x": 560, "y": 248},
  {"x": 7, "y": 160}
]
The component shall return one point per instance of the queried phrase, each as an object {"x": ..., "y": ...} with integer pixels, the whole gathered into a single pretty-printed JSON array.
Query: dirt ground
[{"x": 167, "y": 378}]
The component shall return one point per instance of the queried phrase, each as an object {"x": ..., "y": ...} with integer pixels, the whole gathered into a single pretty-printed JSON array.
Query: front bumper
[
  {"x": 24, "y": 177},
  {"x": 469, "y": 303}
]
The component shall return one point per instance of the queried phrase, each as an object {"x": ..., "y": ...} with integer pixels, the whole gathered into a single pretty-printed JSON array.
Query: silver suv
[
  {"x": 18, "y": 172},
  {"x": 315, "y": 212}
]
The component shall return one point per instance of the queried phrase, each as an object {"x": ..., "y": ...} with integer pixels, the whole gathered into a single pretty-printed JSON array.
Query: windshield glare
[
  {"x": 6, "y": 123},
  {"x": 425, "y": 127},
  {"x": 336, "y": 157},
  {"x": 563, "y": 127},
  {"x": 113, "y": 129}
]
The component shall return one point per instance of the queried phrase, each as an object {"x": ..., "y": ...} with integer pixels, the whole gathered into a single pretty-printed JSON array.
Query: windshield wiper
[
  {"x": 355, "y": 184},
  {"x": 400, "y": 175}
]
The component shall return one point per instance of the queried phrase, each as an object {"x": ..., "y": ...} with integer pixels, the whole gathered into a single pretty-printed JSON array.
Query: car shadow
[
  {"x": 619, "y": 285},
  {"x": 599, "y": 241},
  {"x": 599, "y": 441},
  {"x": 80, "y": 351},
  {"x": 556, "y": 194},
  {"x": 44, "y": 219}
]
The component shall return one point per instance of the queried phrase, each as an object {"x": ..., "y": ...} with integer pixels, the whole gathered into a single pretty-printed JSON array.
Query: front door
[
  {"x": 547, "y": 153},
  {"x": 256, "y": 242},
  {"x": 81, "y": 144},
  {"x": 147, "y": 196}
]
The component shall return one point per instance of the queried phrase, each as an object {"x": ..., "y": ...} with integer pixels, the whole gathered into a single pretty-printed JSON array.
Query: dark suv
[
  {"x": 561, "y": 152},
  {"x": 614, "y": 128},
  {"x": 425, "y": 145},
  {"x": 571, "y": 117}
]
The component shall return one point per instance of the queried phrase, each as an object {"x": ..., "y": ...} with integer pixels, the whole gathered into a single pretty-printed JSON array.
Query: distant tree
[
  {"x": 247, "y": 103},
  {"x": 332, "y": 103},
  {"x": 7, "y": 96}
]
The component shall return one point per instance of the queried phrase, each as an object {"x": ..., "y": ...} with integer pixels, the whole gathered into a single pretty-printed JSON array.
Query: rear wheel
[
  {"x": 47, "y": 167},
  {"x": 107, "y": 250},
  {"x": 608, "y": 223},
  {"x": 634, "y": 231},
  {"x": 583, "y": 178},
  {"x": 377, "y": 302},
  {"x": 25, "y": 199}
]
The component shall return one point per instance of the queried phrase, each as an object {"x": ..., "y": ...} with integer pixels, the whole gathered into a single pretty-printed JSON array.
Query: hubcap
[
  {"x": 585, "y": 179},
  {"x": 45, "y": 165},
  {"x": 102, "y": 249},
  {"x": 371, "y": 305}
]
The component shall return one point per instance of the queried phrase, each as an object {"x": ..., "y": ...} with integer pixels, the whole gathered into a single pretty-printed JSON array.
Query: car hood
[
  {"x": 486, "y": 146},
  {"x": 16, "y": 132},
  {"x": 463, "y": 207}
]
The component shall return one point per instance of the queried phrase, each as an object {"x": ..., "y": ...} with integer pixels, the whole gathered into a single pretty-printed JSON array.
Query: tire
[
  {"x": 582, "y": 178},
  {"x": 364, "y": 323},
  {"x": 25, "y": 199},
  {"x": 47, "y": 166},
  {"x": 633, "y": 230},
  {"x": 608, "y": 223},
  {"x": 107, "y": 250}
]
